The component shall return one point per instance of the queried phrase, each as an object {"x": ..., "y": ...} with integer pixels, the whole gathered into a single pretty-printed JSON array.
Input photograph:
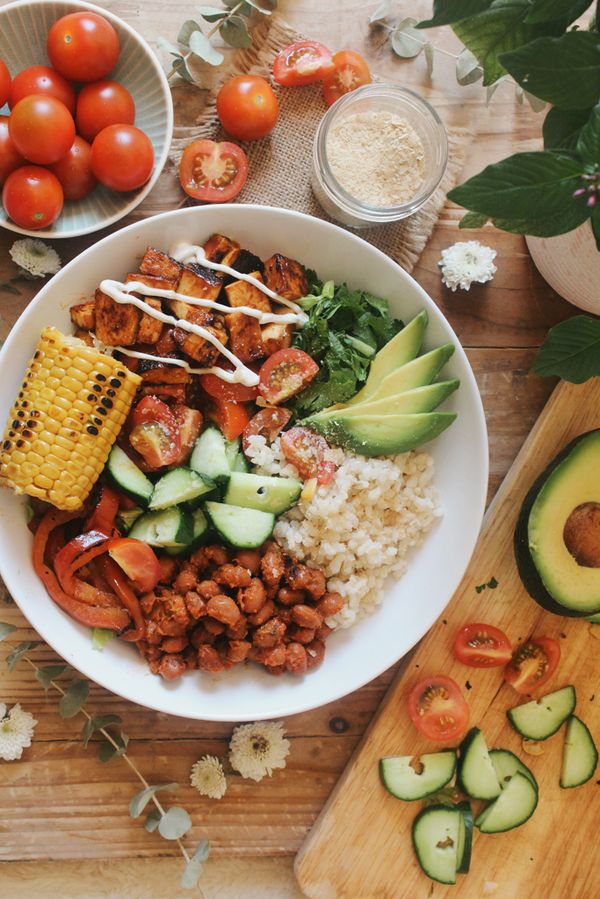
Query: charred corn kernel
[{"x": 53, "y": 446}]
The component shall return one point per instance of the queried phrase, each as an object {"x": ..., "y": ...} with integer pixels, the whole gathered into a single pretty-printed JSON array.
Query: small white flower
[
  {"x": 35, "y": 258},
  {"x": 466, "y": 262},
  {"x": 16, "y": 731},
  {"x": 255, "y": 749},
  {"x": 208, "y": 777}
]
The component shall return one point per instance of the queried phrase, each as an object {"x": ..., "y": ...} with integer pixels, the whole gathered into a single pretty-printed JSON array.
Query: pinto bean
[
  {"x": 209, "y": 557},
  {"x": 323, "y": 632},
  {"x": 275, "y": 670},
  {"x": 186, "y": 579},
  {"x": 264, "y": 613},
  {"x": 174, "y": 644},
  {"x": 285, "y": 615},
  {"x": 147, "y": 603},
  {"x": 237, "y": 650},
  {"x": 190, "y": 657},
  {"x": 195, "y": 605},
  {"x": 168, "y": 567},
  {"x": 209, "y": 659},
  {"x": 200, "y": 636},
  {"x": 269, "y": 634},
  {"x": 302, "y": 634},
  {"x": 230, "y": 575},
  {"x": 214, "y": 627},
  {"x": 289, "y": 597},
  {"x": 272, "y": 564},
  {"x": 295, "y": 659},
  {"x": 330, "y": 604},
  {"x": 223, "y": 608},
  {"x": 306, "y": 616},
  {"x": 238, "y": 630},
  {"x": 248, "y": 558},
  {"x": 315, "y": 653},
  {"x": 301, "y": 577},
  {"x": 171, "y": 667},
  {"x": 206, "y": 589},
  {"x": 253, "y": 597},
  {"x": 272, "y": 657}
]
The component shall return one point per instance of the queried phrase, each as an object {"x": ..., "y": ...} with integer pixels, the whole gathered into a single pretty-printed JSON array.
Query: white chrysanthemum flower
[
  {"x": 16, "y": 731},
  {"x": 208, "y": 777},
  {"x": 466, "y": 262},
  {"x": 255, "y": 749},
  {"x": 35, "y": 258}
]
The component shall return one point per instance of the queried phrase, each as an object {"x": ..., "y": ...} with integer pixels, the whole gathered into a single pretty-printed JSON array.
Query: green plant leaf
[
  {"x": 534, "y": 102},
  {"x": 100, "y": 637},
  {"x": 193, "y": 869},
  {"x": 468, "y": 69},
  {"x": 211, "y": 13},
  {"x": 244, "y": 9},
  {"x": 406, "y": 40},
  {"x": 473, "y": 220},
  {"x": 107, "y": 751},
  {"x": 596, "y": 225},
  {"x": 71, "y": 703},
  {"x": 381, "y": 13},
  {"x": 152, "y": 819},
  {"x": 187, "y": 30},
  {"x": 141, "y": 799},
  {"x": 6, "y": 629},
  {"x": 19, "y": 651},
  {"x": 8, "y": 287},
  {"x": 174, "y": 823},
  {"x": 571, "y": 217},
  {"x": 202, "y": 47},
  {"x": 428, "y": 50},
  {"x": 181, "y": 67},
  {"x": 445, "y": 12},
  {"x": 260, "y": 7},
  {"x": 563, "y": 70},
  {"x": 562, "y": 127},
  {"x": 97, "y": 722},
  {"x": 49, "y": 673},
  {"x": 163, "y": 44},
  {"x": 571, "y": 350},
  {"x": 549, "y": 10},
  {"x": 588, "y": 143},
  {"x": 234, "y": 32}
]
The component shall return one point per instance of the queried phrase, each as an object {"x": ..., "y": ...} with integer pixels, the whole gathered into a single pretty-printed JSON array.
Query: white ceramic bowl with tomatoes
[
  {"x": 24, "y": 29},
  {"x": 410, "y": 606}
]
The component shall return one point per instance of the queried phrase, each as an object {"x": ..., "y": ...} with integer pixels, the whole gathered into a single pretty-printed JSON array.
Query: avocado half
[{"x": 557, "y": 537}]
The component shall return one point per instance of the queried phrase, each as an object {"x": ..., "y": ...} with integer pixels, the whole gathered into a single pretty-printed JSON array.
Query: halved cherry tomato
[
  {"x": 482, "y": 646},
  {"x": 32, "y": 197},
  {"x": 247, "y": 107},
  {"x": 74, "y": 171},
  {"x": 101, "y": 104},
  {"x": 225, "y": 390},
  {"x": 41, "y": 128},
  {"x": 303, "y": 62},
  {"x": 137, "y": 560},
  {"x": 122, "y": 157},
  {"x": 351, "y": 71},
  {"x": 285, "y": 374},
  {"x": 268, "y": 423},
  {"x": 103, "y": 517},
  {"x": 532, "y": 664},
  {"x": 438, "y": 709},
  {"x": 5, "y": 83},
  {"x": 155, "y": 433},
  {"x": 42, "y": 80},
  {"x": 190, "y": 422},
  {"x": 231, "y": 418},
  {"x": 213, "y": 172},
  {"x": 83, "y": 46},
  {"x": 307, "y": 452},
  {"x": 10, "y": 158}
]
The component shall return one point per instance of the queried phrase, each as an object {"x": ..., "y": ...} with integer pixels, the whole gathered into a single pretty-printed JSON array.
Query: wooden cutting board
[{"x": 360, "y": 846}]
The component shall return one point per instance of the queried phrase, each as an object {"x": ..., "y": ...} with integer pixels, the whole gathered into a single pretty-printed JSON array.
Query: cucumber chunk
[
  {"x": 402, "y": 780},
  {"x": 465, "y": 838},
  {"x": 242, "y": 528},
  {"x": 540, "y": 718},
  {"x": 506, "y": 764},
  {"x": 476, "y": 773},
  {"x": 182, "y": 485},
  {"x": 580, "y": 755},
  {"x": 209, "y": 456},
  {"x": 167, "y": 527},
  {"x": 512, "y": 808},
  {"x": 435, "y": 836},
  {"x": 128, "y": 477},
  {"x": 126, "y": 518},
  {"x": 255, "y": 491},
  {"x": 200, "y": 533},
  {"x": 235, "y": 456}
]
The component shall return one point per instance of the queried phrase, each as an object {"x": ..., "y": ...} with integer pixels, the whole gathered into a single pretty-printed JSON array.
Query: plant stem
[
  {"x": 231, "y": 13},
  {"x": 417, "y": 41}
]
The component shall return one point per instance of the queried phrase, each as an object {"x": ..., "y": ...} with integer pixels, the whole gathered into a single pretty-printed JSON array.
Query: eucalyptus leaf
[
  {"x": 141, "y": 799},
  {"x": 152, "y": 819},
  {"x": 100, "y": 637},
  {"x": 71, "y": 703},
  {"x": 406, "y": 40},
  {"x": 193, "y": 869},
  {"x": 244, "y": 10},
  {"x": 571, "y": 350},
  {"x": 596, "y": 225},
  {"x": 6, "y": 629},
  {"x": 588, "y": 143},
  {"x": 234, "y": 32},
  {"x": 211, "y": 13},
  {"x": 107, "y": 751},
  {"x": 429, "y": 56},
  {"x": 473, "y": 220},
  {"x": 19, "y": 651},
  {"x": 491, "y": 90},
  {"x": 445, "y": 12},
  {"x": 8, "y": 287},
  {"x": 548, "y": 10},
  {"x": 174, "y": 823},
  {"x": 202, "y": 47},
  {"x": 163, "y": 44},
  {"x": 381, "y": 13},
  {"x": 181, "y": 67},
  {"x": 187, "y": 30},
  {"x": 49, "y": 673},
  {"x": 468, "y": 69},
  {"x": 260, "y": 7},
  {"x": 97, "y": 723},
  {"x": 562, "y": 127}
]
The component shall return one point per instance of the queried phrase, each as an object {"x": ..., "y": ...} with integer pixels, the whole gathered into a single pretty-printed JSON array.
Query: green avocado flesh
[
  {"x": 421, "y": 399},
  {"x": 382, "y": 435}
]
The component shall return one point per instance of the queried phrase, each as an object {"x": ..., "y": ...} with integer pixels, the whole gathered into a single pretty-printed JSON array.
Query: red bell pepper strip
[
  {"x": 77, "y": 553},
  {"x": 115, "y": 579},
  {"x": 103, "y": 517}
]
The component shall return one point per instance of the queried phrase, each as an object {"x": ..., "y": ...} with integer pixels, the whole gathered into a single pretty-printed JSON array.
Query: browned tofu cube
[
  {"x": 157, "y": 263},
  {"x": 84, "y": 315},
  {"x": 241, "y": 293},
  {"x": 276, "y": 337},
  {"x": 218, "y": 247},
  {"x": 245, "y": 337},
  {"x": 116, "y": 323},
  {"x": 165, "y": 345},
  {"x": 286, "y": 277},
  {"x": 85, "y": 336},
  {"x": 193, "y": 345},
  {"x": 161, "y": 373},
  {"x": 150, "y": 327},
  {"x": 199, "y": 282}
]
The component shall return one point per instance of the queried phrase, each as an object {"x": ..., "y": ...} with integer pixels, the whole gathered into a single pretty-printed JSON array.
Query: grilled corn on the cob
[{"x": 71, "y": 406}]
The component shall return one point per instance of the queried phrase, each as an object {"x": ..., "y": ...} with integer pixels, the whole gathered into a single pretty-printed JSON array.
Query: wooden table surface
[{"x": 59, "y": 802}]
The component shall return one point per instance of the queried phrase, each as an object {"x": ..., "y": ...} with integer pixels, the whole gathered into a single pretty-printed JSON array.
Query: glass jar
[{"x": 408, "y": 105}]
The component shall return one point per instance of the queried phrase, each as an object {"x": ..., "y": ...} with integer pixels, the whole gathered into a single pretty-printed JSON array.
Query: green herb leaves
[
  {"x": 193, "y": 869},
  {"x": 6, "y": 629},
  {"x": 488, "y": 585},
  {"x": 73, "y": 700},
  {"x": 141, "y": 799},
  {"x": 571, "y": 350},
  {"x": 445, "y": 12}
]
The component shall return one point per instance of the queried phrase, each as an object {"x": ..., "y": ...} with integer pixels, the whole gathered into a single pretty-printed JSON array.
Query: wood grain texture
[{"x": 360, "y": 845}]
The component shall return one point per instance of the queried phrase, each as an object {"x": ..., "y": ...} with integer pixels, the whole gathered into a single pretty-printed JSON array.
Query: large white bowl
[{"x": 411, "y": 605}]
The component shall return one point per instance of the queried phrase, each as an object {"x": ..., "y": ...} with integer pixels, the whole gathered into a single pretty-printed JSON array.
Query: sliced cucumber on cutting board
[
  {"x": 476, "y": 773},
  {"x": 435, "y": 835},
  {"x": 410, "y": 777},
  {"x": 540, "y": 718},
  {"x": 515, "y": 805},
  {"x": 580, "y": 756}
]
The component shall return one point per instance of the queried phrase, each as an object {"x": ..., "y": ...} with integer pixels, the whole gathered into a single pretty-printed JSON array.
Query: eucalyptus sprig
[{"x": 171, "y": 823}]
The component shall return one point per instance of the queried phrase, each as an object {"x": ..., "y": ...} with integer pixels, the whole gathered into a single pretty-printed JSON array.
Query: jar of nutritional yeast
[{"x": 379, "y": 153}]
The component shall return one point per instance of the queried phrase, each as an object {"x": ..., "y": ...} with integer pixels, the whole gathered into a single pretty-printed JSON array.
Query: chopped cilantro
[{"x": 491, "y": 585}]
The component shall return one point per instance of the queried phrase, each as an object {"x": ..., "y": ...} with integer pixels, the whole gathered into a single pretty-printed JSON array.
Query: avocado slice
[
  {"x": 382, "y": 435},
  {"x": 421, "y": 399},
  {"x": 416, "y": 373},
  {"x": 557, "y": 538}
]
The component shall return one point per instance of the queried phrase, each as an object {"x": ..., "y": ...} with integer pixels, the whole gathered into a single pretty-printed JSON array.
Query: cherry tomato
[
  {"x": 213, "y": 172},
  {"x": 438, "y": 709},
  {"x": 101, "y": 104},
  {"x": 42, "y": 129},
  {"x": 42, "y": 80},
  {"x": 5, "y": 82},
  {"x": 268, "y": 423},
  {"x": 247, "y": 107},
  {"x": 155, "y": 432},
  {"x": 285, "y": 374},
  {"x": 103, "y": 517},
  {"x": 532, "y": 664},
  {"x": 231, "y": 418},
  {"x": 303, "y": 62},
  {"x": 189, "y": 422},
  {"x": 83, "y": 46},
  {"x": 32, "y": 197},
  {"x": 482, "y": 646},
  {"x": 10, "y": 158},
  {"x": 351, "y": 71},
  {"x": 307, "y": 451},
  {"x": 74, "y": 171},
  {"x": 122, "y": 157},
  {"x": 224, "y": 390},
  {"x": 137, "y": 560}
]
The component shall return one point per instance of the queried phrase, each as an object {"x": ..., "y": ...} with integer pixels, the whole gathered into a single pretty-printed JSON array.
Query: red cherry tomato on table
[
  {"x": 307, "y": 451},
  {"x": 247, "y": 107},
  {"x": 122, "y": 157},
  {"x": 137, "y": 560},
  {"x": 83, "y": 46},
  {"x": 532, "y": 664},
  {"x": 32, "y": 197},
  {"x": 42, "y": 129},
  {"x": 42, "y": 80},
  {"x": 285, "y": 374},
  {"x": 155, "y": 432},
  {"x": 232, "y": 418},
  {"x": 101, "y": 104},
  {"x": 482, "y": 646},
  {"x": 74, "y": 171},
  {"x": 351, "y": 71},
  {"x": 5, "y": 83},
  {"x": 303, "y": 62},
  {"x": 213, "y": 172},
  {"x": 438, "y": 709},
  {"x": 268, "y": 423},
  {"x": 10, "y": 158}
]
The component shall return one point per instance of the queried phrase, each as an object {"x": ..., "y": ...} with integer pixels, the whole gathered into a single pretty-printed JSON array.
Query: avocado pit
[{"x": 582, "y": 534}]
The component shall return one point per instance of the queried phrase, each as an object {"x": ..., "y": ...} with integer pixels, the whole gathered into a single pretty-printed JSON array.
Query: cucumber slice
[
  {"x": 595, "y": 618},
  {"x": 435, "y": 835},
  {"x": 512, "y": 808},
  {"x": 201, "y": 530},
  {"x": 209, "y": 457},
  {"x": 242, "y": 528},
  {"x": 128, "y": 477},
  {"x": 580, "y": 755},
  {"x": 232, "y": 448},
  {"x": 182, "y": 485},
  {"x": 465, "y": 838},
  {"x": 240, "y": 463},
  {"x": 402, "y": 780},
  {"x": 506, "y": 764},
  {"x": 540, "y": 718},
  {"x": 476, "y": 773},
  {"x": 127, "y": 517},
  {"x": 255, "y": 491},
  {"x": 167, "y": 527}
]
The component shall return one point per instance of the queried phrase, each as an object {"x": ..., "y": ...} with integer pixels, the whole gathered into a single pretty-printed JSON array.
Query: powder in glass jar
[{"x": 377, "y": 157}]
